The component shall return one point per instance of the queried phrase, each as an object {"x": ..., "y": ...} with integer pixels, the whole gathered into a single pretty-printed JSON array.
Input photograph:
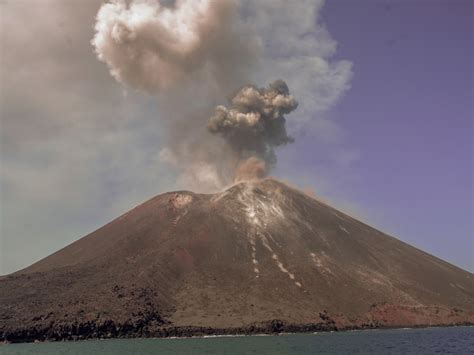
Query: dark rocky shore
[
  {"x": 111, "y": 330},
  {"x": 153, "y": 329}
]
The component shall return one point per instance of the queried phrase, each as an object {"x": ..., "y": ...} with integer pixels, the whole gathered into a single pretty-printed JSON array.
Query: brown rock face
[{"x": 258, "y": 257}]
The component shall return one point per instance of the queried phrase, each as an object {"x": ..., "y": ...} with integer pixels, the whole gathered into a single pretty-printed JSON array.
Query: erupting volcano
[{"x": 257, "y": 257}]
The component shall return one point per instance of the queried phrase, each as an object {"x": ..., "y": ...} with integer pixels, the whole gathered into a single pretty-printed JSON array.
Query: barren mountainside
[{"x": 258, "y": 257}]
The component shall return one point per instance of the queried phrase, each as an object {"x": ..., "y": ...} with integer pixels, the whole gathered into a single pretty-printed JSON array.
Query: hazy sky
[{"x": 394, "y": 150}]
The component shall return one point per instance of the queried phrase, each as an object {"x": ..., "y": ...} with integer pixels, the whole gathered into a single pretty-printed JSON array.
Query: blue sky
[{"x": 410, "y": 115}]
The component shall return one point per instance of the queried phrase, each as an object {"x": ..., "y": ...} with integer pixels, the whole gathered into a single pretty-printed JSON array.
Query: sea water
[{"x": 452, "y": 340}]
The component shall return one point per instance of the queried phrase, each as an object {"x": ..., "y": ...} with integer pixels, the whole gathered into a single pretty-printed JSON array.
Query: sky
[
  {"x": 390, "y": 144},
  {"x": 411, "y": 108}
]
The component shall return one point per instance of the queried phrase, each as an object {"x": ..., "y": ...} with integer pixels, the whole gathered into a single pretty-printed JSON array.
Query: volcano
[{"x": 258, "y": 257}]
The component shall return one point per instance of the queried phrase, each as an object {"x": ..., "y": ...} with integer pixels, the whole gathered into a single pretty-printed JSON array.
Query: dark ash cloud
[{"x": 254, "y": 123}]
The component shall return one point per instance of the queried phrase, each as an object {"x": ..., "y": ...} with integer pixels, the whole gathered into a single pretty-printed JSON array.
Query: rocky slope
[{"x": 258, "y": 257}]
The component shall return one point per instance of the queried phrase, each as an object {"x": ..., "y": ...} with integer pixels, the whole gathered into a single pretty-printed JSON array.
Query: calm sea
[{"x": 455, "y": 340}]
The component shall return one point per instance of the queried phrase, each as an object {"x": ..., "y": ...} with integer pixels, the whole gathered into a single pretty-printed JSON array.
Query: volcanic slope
[{"x": 257, "y": 257}]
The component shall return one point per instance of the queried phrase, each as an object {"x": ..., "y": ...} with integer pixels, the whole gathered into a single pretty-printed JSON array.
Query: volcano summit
[{"x": 257, "y": 257}]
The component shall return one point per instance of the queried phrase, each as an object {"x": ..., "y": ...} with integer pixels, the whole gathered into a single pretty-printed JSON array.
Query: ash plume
[
  {"x": 190, "y": 53},
  {"x": 254, "y": 124}
]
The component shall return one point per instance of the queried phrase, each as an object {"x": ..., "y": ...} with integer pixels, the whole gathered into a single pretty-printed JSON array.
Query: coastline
[{"x": 272, "y": 328}]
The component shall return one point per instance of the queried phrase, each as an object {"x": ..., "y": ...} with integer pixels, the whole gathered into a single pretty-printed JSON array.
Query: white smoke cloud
[
  {"x": 154, "y": 47},
  {"x": 299, "y": 49},
  {"x": 197, "y": 171}
]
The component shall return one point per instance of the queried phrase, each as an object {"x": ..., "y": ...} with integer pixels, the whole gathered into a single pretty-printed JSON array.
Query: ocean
[{"x": 452, "y": 340}]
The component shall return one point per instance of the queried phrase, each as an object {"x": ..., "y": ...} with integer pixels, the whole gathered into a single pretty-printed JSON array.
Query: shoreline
[{"x": 273, "y": 328}]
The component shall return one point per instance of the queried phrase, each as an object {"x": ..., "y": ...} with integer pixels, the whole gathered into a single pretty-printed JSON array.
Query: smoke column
[{"x": 190, "y": 53}]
